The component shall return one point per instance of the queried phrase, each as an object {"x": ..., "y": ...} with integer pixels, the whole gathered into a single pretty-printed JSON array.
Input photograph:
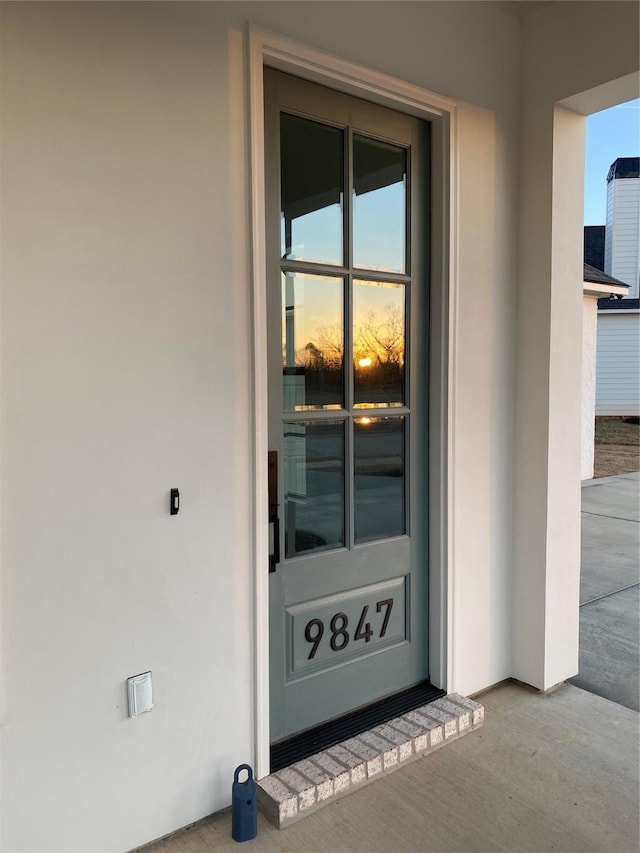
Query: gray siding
[{"x": 618, "y": 363}]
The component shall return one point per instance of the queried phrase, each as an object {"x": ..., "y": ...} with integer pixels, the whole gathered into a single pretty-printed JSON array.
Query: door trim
[{"x": 267, "y": 48}]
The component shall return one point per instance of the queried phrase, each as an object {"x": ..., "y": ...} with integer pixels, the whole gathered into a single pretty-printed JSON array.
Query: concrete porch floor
[{"x": 557, "y": 772}]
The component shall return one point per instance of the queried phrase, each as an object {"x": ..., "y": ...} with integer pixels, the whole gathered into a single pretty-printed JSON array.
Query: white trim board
[
  {"x": 268, "y": 48},
  {"x": 592, "y": 288}
]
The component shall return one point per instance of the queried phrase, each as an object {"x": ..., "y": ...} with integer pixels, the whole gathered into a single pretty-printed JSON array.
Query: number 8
[{"x": 339, "y": 632}]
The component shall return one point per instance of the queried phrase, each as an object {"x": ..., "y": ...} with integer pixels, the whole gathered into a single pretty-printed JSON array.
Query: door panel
[{"x": 347, "y": 243}]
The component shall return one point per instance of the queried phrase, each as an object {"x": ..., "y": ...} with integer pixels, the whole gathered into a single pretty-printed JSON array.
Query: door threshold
[
  {"x": 312, "y": 783},
  {"x": 306, "y": 743}
]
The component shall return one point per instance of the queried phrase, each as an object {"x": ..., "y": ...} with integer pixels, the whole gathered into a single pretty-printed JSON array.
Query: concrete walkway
[
  {"x": 609, "y": 589},
  {"x": 545, "y": 773}
]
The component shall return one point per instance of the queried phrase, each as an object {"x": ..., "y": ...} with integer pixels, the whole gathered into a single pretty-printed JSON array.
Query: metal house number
[{"x": 315, "y": 628}]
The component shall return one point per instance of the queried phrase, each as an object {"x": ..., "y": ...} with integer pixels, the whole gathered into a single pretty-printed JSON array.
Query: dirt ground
[{"x": 617, "y": 449}]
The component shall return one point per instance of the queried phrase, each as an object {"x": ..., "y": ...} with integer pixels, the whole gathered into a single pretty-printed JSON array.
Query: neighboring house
[
  {"x": 616, "y": 250},
  {"x": 426, "y": 483},
  {"x": 618, "y": 359},
  {"x": 622, "y": 235},
  {"x": 618, "y": 376},
  {"x": 598, "y": 287}
]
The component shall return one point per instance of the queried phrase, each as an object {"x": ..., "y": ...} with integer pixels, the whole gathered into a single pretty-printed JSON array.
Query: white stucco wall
[
  {"x": 589, "y": 348},
  {"x": 588, "y": 62},
  {"x": 126, "y": 370},
  {"x": 125, "y": 365}
]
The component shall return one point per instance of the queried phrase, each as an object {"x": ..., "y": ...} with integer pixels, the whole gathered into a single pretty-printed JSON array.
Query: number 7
[{"x": 379, "y": 605}]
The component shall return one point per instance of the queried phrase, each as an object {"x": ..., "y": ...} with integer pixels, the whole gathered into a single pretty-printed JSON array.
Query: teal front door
[{"x": 347, "y": 218}]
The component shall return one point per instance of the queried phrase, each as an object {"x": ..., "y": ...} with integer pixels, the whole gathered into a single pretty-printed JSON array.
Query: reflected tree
[
  {"x": 330, "y": 342},
  {"x": 379, "y": 349},
  {"x": 382, "y": 342},
  {"x": 378, "y": 360}
]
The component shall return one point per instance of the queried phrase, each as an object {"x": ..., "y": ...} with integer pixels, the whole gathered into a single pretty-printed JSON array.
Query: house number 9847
[{"x": 340, "y": 637}]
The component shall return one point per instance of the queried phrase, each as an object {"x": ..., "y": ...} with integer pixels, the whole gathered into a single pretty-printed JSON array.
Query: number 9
[{"x": 319, "y": 624}]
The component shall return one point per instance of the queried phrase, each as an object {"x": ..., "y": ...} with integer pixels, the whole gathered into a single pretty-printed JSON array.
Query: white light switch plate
[{"x": 140, "y": 693}]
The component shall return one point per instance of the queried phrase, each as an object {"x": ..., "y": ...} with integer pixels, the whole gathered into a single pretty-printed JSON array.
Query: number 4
[{"x": 367, "y": 633}]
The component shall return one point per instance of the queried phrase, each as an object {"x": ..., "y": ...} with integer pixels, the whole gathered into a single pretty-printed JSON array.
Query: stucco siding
[
  {"x": 573, "y": 54},
  {"x": 126, "y": 357},
  {"x": 127, "y": 370}
]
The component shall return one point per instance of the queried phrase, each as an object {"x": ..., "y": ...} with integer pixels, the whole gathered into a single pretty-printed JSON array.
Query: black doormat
[{"x": 304, "y": 744}]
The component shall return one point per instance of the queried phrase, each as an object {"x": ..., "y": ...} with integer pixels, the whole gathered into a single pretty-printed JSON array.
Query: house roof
[
  {"x": 595, "y": 275},
  {"x": 594, "y": 245},
  {"x": 624, "y": 167}
]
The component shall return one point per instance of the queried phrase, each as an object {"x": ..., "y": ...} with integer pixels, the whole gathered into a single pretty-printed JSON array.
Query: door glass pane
[
  {"x": 379, "y": 205},
  {"x": 378, "y": 344},
  {"x": 311, "y": 168},
  {"x": 312, "y": 341},
  {"x": 313, "y": 486},
  {"x": 379, "y": 478}
]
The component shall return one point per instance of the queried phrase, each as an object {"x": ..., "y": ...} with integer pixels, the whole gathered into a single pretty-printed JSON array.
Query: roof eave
[{"x": 593, "y": 288}]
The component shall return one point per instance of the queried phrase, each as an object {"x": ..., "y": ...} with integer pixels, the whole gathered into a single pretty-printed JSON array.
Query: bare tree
[
  {"x": 330, "y": 344},
  {"x": 381, "y": 342}
]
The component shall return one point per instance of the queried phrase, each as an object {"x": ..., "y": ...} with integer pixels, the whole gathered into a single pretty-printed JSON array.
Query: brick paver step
[{"x": 308, "y": 785}]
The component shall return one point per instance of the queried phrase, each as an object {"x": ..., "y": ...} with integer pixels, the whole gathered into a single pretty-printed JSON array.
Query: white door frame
[{"x": 267, "y": 48}]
